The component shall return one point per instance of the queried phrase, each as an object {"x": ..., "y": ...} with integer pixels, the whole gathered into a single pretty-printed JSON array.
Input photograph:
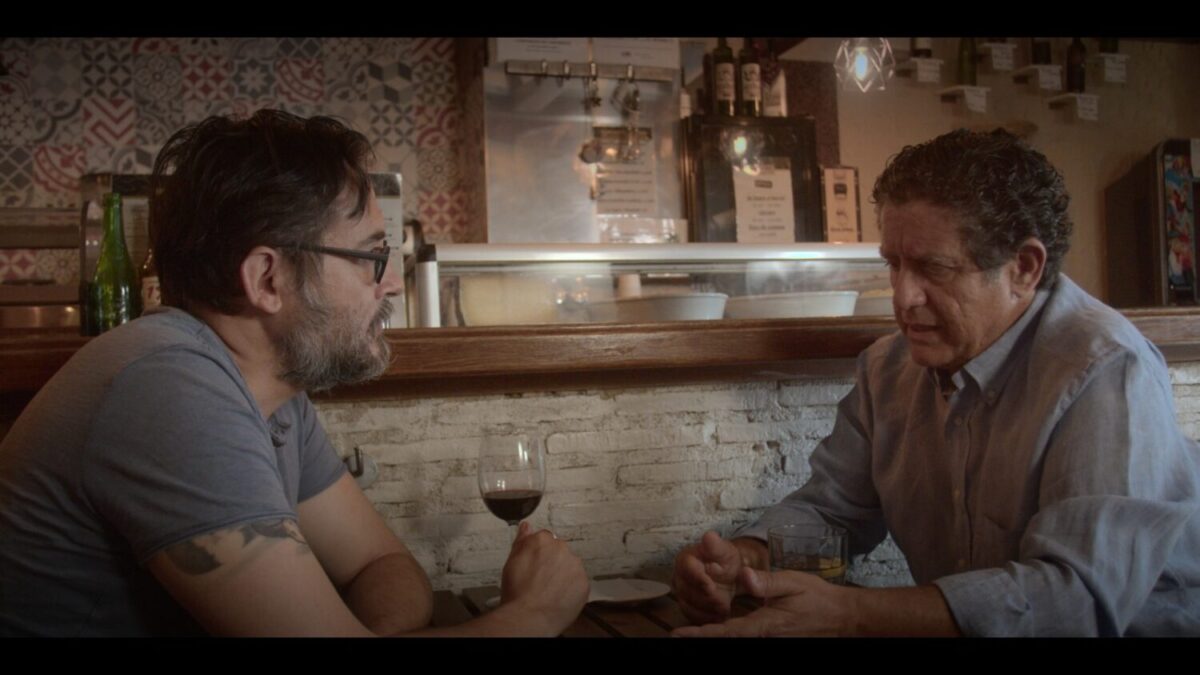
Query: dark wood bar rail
[{"x": 448, "y": 361}]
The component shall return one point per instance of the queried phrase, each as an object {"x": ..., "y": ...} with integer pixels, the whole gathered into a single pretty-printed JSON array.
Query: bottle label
[
  {"x": 1088, "y": 107},
  {"x": 929, "y": 71},
  {"x": 976, "y": 99},
  {"x": 1114, "y": 68},
  {"x": 752, "y": 82},
  {"x": 151, "y": 293},
  {"x": 723, "y": 82},
  {"x": 1050, "y": 78},
  {"x": 1002, "y": 55}
]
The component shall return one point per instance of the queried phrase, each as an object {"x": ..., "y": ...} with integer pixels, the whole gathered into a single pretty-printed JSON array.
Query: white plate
[{"x": 626, "y": 591}]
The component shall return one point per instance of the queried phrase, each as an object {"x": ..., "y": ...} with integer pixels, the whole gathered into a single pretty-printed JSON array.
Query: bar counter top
[{"x": 483, "y": 360}]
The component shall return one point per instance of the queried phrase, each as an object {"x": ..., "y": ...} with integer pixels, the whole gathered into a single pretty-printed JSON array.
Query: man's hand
[
  {"x": 543, "y": 582},
  {"x": 705, "y": 578},
  {"x": 797, "y": 604}
]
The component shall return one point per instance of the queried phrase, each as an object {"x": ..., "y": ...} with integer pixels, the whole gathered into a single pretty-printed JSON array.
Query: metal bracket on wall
[
  {"x": 608, "y": 71},
  {"x": 362, "y": 468}
]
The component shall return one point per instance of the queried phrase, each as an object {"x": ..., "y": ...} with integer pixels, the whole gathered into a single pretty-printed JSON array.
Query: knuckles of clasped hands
[{"x": 709, "y": 574}]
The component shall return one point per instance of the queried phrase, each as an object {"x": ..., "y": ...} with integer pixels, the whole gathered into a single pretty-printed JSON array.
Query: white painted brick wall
[
  {"x": 625, "y": 439},
  {"x": 626, "y": 511},
  {"x": 632, "y": 477},
  {"x": 676, "y": 472},
  {"x": 814, "y": 393}
]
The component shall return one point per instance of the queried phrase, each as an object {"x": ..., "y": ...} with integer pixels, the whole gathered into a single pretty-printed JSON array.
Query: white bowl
[
  {"x": 792, "y": 305},
  {"x": 652, "y": 308},
  {"x": 505, "y": 300}
]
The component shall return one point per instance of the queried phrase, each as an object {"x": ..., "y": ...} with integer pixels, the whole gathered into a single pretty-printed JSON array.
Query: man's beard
[{"x": 327, "y": 347}]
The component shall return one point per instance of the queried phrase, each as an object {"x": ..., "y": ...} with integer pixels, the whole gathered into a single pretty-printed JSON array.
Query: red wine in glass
[
  {"x": 512, "y": 506},
  {"x": 512, "y": 476}
]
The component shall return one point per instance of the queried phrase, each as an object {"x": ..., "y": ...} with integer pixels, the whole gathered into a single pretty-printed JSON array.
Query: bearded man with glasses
[{"x": 173, "y": 478}]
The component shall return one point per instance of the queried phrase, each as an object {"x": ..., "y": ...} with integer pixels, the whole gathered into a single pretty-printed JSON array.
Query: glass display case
[{"x": 511, "y": 284}]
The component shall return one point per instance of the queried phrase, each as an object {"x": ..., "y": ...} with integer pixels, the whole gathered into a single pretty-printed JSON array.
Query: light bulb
[
  {"x": 739, "y": 146},
  {"x": 861, "y": 63}
]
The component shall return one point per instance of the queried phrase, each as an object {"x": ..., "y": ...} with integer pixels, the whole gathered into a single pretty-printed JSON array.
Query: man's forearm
[
  {"x": 391, "y": 595},
  {"x": 507, "y": 620},
  {"x": 912, "y": 612}
]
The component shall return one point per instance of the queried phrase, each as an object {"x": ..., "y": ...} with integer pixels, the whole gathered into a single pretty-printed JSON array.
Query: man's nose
[
  {"x": 907, "y": 291},
  {"x": 392, "y": 282}
]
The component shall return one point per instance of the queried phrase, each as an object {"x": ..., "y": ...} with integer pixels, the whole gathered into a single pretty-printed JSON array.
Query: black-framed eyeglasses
[{"x": 378, "y": 255}]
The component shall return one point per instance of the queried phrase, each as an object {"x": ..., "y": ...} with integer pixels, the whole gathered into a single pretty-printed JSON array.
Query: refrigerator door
[
  {"x": 1150, "y": 226},
  {"x": 732, "y": 165}
]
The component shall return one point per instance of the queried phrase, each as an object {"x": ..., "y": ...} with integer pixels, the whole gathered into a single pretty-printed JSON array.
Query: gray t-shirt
[{"x": 146, "y": 438}]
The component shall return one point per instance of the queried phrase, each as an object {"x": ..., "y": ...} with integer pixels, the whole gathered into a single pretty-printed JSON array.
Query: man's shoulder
[
  {"x": 174, "y": 331},
  {"x": 159, "y": 351},
  {"x": 1078, "y": 329}
]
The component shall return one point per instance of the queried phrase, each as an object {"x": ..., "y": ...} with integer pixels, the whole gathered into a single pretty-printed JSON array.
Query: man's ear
[
  {"x": 263, "y": 278},
  {"x": 1030, "y": 266}
]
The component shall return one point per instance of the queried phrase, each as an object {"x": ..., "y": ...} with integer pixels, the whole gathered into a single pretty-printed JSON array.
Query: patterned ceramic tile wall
[{"x": 69, "y": 106}]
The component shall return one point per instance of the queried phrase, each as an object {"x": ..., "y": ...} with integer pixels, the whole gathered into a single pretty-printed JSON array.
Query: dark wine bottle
[
  {"x": 968, "y": 58},
  {"x": 750, "y": 80},
  {"x": 1076, "y": 65},
  {"x": 724, "y": 80},
  {"x": 1040, "y": 51},
  {"x": 921, "y": 47}
]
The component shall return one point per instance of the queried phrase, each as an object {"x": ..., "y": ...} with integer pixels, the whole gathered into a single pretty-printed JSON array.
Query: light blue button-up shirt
[{"x": 1047, "y": 491}]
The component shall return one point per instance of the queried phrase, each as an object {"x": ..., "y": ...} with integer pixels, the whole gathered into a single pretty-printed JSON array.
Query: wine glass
[{"x": 512, "y": 476}]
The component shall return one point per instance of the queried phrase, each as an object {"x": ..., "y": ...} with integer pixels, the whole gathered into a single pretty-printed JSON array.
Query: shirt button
[
  {"x": 958, "y": 421},
  {"x": 961, "y": 563},
  {"x": 957, "y": 494}
]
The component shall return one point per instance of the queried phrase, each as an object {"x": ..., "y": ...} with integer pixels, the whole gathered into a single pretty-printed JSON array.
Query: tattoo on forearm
[{"x": 209, "y": 552}]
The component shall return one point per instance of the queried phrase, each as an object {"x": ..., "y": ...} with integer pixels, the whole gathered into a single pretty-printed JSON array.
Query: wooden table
[{"x": 655, "y": 618}]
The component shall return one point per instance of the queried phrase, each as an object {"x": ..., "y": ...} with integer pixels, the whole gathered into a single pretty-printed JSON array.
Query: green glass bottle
[
  {"x": 968, "y": 57},
  {"x": 113, "y": 296}
]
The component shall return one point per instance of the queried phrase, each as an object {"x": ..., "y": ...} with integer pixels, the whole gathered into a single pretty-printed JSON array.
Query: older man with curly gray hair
[{"x": 1016, "y": 437}]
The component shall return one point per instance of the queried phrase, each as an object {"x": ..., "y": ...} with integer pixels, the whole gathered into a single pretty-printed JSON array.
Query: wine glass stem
[{"x": 514, "y": 528}]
